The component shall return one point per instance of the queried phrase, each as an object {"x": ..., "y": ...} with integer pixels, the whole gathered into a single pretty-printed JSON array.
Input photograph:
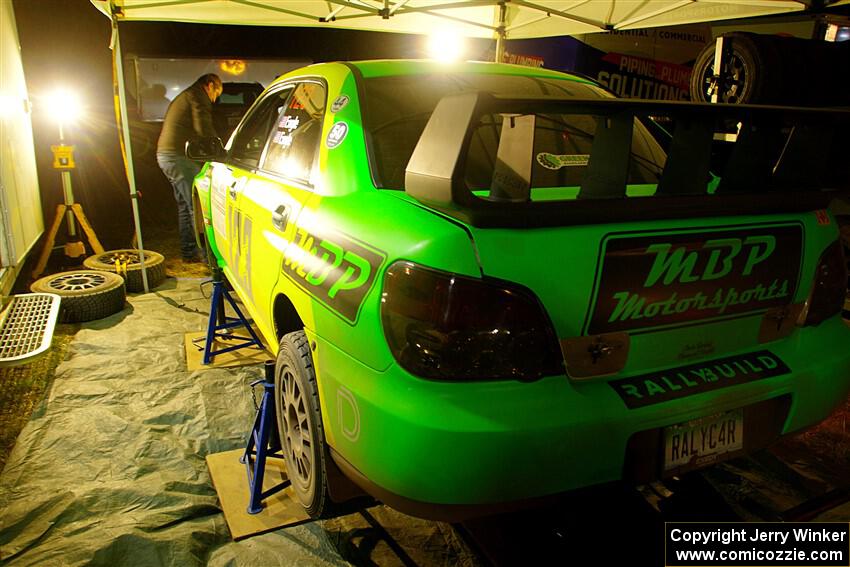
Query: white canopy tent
[
  {"x": 496, "y": 19},
  {"x": 514, "y": 19}
]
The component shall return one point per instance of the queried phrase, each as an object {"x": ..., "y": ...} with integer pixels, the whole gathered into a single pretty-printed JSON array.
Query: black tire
[
  {"x": 86, "y": 294},
  {"x": 299, "y": 423},
  {"x": 747, "y": 59},
  {"x": 154, "y": 262}
]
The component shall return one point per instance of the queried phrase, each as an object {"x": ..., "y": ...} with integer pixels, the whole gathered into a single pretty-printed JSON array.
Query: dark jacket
[{"x": 189, "y": 116}]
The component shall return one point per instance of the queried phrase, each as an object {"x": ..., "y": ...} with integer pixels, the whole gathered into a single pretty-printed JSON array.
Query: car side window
[
  {"x": 294, "y": 143},
  {"x": 250, "y": 139}
]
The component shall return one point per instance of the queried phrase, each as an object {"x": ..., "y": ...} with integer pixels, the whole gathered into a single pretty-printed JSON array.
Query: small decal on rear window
[
  {"x": 336, "y": 135},
  {"x": 289, "y": 123},
  {"x": 340, "y": 103},
  {"x": 282, "y": 139},
  {"x": 555, "y": 162}
]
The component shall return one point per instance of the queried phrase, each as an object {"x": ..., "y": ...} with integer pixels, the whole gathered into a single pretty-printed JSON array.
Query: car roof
[{"x": 405, "y": 67}]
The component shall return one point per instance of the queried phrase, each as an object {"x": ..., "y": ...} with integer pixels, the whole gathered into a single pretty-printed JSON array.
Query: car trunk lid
[{"x": 642, "y": 257}]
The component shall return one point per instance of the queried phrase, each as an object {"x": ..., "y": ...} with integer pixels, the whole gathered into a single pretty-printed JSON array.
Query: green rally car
[{"x": 488, "y": 284}]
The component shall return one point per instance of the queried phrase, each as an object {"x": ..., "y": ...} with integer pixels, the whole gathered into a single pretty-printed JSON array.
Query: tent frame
[
  {"x": 127, "y": 147},
  {"x": 386, "y": 9}
]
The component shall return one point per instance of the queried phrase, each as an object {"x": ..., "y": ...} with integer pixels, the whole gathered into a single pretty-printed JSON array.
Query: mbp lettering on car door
[{"x": 334, "y": 268}]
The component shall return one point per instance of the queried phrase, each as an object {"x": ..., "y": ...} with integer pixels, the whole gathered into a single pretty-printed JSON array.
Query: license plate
[{"x": 702, "y": 441}]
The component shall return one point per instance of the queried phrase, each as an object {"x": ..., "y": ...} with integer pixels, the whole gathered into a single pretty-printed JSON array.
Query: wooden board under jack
[
  {"x": 240, "y": 357},
  {"x": 230, "y": 479}
]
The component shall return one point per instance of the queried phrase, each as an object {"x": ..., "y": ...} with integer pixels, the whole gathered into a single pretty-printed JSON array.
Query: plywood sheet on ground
[{"x": 230, "y": 478}]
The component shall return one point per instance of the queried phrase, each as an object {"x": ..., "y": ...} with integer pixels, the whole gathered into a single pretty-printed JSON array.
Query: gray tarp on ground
[{"x": 110, "y": 470}]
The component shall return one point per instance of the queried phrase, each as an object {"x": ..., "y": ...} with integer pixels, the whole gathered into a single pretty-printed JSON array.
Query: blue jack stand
[
  {"x": 219, "y": 321},
  {"x": 260, "y": 445}
]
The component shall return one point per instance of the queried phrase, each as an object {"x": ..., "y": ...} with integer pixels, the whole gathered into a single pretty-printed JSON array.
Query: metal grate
[{"x": 26, "y": 327}]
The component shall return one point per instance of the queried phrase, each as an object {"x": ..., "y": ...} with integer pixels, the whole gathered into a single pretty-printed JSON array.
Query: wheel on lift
[
  {"x": 129, "y": 263},
  {"x": 86, "y": 294},
  {"x": 299, "y": 424},
  {"x": 746, "y": 59}
]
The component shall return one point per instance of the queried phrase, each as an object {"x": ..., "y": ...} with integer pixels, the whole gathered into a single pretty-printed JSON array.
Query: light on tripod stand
[{"x": 64, "y": 108}]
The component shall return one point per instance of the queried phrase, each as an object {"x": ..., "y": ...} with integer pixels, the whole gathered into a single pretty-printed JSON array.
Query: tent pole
[
  {"x": 718, "y": 69},
  {"x": 125, "y": 131},
  {"x": 500, "y": 37},
  {"x": 500, "y": 47}
]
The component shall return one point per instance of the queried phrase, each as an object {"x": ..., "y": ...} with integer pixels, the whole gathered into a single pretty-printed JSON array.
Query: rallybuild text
[{"x": 757, "y": 544}]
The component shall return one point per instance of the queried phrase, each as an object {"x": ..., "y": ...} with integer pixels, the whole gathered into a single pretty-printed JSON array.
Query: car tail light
[
  {"x": 830, "y": 287},
  {"x": 444, "y": 326}
]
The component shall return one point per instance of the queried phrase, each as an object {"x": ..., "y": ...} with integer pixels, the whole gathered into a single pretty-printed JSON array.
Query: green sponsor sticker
[{"x": 555, "y": 162}]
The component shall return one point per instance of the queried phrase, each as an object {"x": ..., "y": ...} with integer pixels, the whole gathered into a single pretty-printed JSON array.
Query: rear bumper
[
  {"x": 447, "y": 512},
  {"x": 456, "y": 446}
]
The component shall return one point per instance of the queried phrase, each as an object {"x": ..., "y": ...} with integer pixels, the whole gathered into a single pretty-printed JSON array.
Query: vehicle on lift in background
[
  {"x": 489, "y": 284},
  {"x": 777, "y": 69}
]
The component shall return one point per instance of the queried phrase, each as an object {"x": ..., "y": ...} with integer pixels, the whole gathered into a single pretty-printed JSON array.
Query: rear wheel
[{"x": 299, "y": 423}]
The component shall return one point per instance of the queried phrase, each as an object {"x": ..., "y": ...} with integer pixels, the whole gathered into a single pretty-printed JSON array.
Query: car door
[
  {"x": 273, "y": 199},
  {"x": 229, "y": 179}
]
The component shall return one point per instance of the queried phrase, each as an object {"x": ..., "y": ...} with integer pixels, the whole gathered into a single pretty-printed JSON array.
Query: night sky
[{"x": 66, "y": 43}]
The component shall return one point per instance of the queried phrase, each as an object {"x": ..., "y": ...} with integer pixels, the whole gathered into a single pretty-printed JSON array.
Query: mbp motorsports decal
[
  {"x": 666, "y": 385},
  {"x": 334, "y": 268},
  {"x": 669, "y": 278}
]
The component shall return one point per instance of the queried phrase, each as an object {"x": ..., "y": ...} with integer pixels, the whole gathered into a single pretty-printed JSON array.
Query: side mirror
[{"x": 205, "y": 149}]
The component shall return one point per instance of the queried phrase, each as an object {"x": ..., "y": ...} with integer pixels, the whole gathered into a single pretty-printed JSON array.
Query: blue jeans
[{"x": 180, "y": 171}]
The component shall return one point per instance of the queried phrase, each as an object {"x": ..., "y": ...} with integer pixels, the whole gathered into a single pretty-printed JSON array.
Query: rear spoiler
[{"x": 783, "y": 160}]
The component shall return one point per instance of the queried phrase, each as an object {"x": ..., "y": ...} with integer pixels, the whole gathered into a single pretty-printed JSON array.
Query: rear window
[{"x": 397, "y": 108}]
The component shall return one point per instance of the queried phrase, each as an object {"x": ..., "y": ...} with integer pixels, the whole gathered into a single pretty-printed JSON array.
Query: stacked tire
[
  {"x": 86, "y": 295},
  {"x": 771, "y": 69},
  {"x": 127, "y": 263}
]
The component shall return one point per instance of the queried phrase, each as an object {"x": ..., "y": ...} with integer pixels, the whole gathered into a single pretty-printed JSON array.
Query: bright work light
[
  {"x": 445, "y": 45},
  {"x": 64, "y": 106},
  {"x": 7, "y": 104}
]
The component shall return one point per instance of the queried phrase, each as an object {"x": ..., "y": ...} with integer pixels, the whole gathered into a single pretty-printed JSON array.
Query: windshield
[{"x": 397, "y": 108}]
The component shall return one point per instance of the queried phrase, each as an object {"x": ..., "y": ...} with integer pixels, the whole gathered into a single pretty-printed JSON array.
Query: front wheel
[{"x": 299, "y": 424}]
